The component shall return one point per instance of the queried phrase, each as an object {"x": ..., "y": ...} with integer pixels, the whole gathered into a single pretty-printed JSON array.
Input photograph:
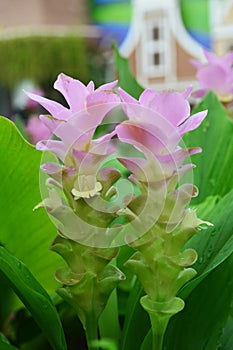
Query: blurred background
[{"x": 41, "y": 38}]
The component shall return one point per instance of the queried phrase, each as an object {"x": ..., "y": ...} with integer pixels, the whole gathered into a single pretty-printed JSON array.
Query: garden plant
[{"x": 117, "y": 230}]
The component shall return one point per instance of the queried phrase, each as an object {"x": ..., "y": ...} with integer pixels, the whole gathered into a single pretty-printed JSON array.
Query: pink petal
[
  {"x": 108, "y": 86},
  {"x": 227, "y": 60},
  {"x": 50, "y": 123},
  {"x": 196, "y": 64},
  {"x": 187, "y": 92},
  {"x": 171, "y": 161},
  {"x": 146, "y": 170},
  {"x": 223, "y": 61},
  {"x": 55, "y": 109},
  {"x": 172, "y": 106},
  {"x": 146, "y": 98},
  {"x": 73, "y": 90},
  {"x": 192, "y": 123},
  {"x": 54, "y": 146},
  {"x": 135, "y": 166},
  {"x": 200, "y": 93},
  {"x": 126, "y": 97},
  {"x": 91, "y": 86},
  {"x": 146, "y": 137},
  {"x": 51, "y": 168},
  {"x": 102, "y": 97},
  {"x": 213, "y": 78},
  {"x": 79, "y": 129},
  {"x": 210, "y": 56}
]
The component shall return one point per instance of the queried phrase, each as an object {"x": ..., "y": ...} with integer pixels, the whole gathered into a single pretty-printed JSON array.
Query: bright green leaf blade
[
  {"x": 125, "y": 77},
  {"x": 4, "y": 344},
  {"x": 109, "y": 326},
  {"x": 34, "y": 297},
  {"x": 200, "y": 324},
  {"x": 226, "y": 342},
  {"x": 213, "y": 174},
  {"x": 205, "y": 208},
  {"x": 26, "y": 234},
  {"x": 106, "y": 344},
  {"x": 20, "y": 124},
  {"x": 137, "y": 321},
  {"x": 147, "y": 343},
  {"x": 213, "y": 245}
]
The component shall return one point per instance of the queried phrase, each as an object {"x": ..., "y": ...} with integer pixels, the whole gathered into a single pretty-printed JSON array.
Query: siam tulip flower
[
  {"x": 83, "y": 195},
  {"x": 76, "y": 190},
  {"x": 215, "y": 75}
]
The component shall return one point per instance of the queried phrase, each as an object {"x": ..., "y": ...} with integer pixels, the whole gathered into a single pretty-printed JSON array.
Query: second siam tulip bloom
[
  {"x": 216, "y": 75},
  {"x": 170, "y": 106},
  {"x": 155, "y": 126},
  {"x": 157, "y": 122}
]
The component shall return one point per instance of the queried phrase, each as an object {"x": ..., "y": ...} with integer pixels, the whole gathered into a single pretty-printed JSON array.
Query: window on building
[
  {"x": 155, "y": 33},
  {"x": 156, "y": 59},
  {"x": 154, "y": 47}
]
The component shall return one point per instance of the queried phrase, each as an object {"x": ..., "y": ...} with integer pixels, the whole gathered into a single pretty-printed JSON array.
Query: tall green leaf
[
  {"x": 137, "y": 321},
  {"x": 4, "y": 344},
  {"x": 203, "y": 323},
  {"x": 214, "y": 244},
  {"x": 213, "y": 174},
  {"x": 27, "y": 234},
  {"x": 125, "y": 77},
  {"x": 34, "y": 297},
  {"x": 226, "y": 341},
  {"x": 200, "y": 324}
]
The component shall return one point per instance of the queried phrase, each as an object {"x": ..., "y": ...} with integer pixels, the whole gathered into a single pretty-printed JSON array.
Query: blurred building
[
  {"x": 160, "y": 47},
  {"x": 166, "y": 35},
  {"x": 222, "y": 25},
  {"x": 32, "y": 13}
]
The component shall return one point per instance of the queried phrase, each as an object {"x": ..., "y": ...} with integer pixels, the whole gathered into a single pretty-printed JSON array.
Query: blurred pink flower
[
  {"x": 36, "y": 130},
  {"x": 215, "y": 75}
]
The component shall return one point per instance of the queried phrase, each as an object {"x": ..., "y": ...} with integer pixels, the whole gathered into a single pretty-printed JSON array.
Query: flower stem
[
  {"x": 158, "y": 331},
  {"x": 160, "y": 314},
  {"x": 91, "y": 330}
]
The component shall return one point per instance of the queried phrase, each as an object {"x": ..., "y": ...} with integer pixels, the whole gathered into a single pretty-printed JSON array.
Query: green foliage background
[{"x": 42, "y": 58}]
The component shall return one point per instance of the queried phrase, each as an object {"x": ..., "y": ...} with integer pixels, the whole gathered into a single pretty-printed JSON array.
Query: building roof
[{"x": 176, "y": 25}]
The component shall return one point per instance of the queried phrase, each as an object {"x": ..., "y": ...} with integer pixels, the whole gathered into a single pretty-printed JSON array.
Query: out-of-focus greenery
[{"x": 42, "y": 58}]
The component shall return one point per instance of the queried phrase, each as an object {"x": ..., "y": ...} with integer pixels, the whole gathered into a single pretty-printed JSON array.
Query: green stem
[
  {"x": 160, "y": 314},
  {"x": 159, "y": 326},
  {"x": 91, "y": 330}
]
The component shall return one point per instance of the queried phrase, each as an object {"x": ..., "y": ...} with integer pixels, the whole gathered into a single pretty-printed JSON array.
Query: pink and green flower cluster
[
  {"x": 151, "y": 127},
  {"x": 117, "y": 179}
]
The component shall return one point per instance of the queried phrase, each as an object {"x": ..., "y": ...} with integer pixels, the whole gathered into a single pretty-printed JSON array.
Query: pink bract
[
  {"x": 216, "y": 75},
  {"x": 78, "y": 96}
]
